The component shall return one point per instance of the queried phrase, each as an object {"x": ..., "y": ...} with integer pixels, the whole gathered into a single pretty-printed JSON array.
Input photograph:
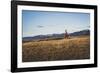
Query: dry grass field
[{"x": 51, "y": 50}]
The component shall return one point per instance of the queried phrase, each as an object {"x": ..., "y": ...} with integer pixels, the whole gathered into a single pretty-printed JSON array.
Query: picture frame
[{"x": 17, "y": 29}]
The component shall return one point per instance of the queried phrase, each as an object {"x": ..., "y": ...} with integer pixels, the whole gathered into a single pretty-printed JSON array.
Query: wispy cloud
[{"x": 39, "y": 26}]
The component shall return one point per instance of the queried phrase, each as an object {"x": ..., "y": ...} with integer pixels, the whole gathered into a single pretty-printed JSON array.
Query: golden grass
[{"x": 64, "y": 49}]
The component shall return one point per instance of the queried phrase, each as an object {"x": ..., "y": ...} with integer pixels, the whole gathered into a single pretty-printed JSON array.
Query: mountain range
[{"x": 40, "y": 37}]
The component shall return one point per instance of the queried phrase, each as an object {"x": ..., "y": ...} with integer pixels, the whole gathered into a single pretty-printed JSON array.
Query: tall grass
[{"x": 64, "y": 49}]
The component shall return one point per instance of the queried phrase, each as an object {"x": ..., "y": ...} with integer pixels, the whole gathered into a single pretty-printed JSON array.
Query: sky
[{"x": 44, "y": 22}]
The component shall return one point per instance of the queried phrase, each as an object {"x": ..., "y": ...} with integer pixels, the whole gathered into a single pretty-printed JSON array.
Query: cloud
[{"x": 39, "y": 26}]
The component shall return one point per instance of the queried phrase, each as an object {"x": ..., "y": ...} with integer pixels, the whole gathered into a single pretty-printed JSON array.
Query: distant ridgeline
[{"x": 56, "y": 36}]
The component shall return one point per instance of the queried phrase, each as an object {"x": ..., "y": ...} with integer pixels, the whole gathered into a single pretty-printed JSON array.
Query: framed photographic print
[{"x": 51, "y": 36}]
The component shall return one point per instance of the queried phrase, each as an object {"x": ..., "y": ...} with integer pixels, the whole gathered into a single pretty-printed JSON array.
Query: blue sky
[{"x": 44, "y": 22}]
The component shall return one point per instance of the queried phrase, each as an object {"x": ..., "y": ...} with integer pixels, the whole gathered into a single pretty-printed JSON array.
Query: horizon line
[{"x": 53, "y": 33}]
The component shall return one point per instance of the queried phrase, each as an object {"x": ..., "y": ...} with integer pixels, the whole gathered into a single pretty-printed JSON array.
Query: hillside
[
  {"x": 40, "y": 37},
  {"x": 63, "y": 49}
]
